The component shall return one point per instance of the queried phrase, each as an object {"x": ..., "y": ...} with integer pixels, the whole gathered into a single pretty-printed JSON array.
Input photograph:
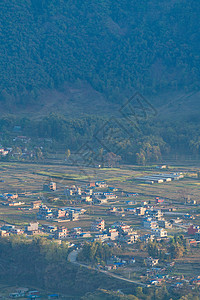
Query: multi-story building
[
  {"x": 155, "y": 214},
  {"x": 147, "y": 237},
  {"x": 36, "y": 204},
  {"x": 32, "y": 228},
  {"x": 160, "y": 233},
  {"x": 98, "y": 225},
  {"x": 60, "y": 213},
  {"x": 164, "y": 224},
  {"x": 150, "y": 224},
  {"x": 112, "y": 233},
  {"x": 44, "y": 213},
  {"x": 140, "y": 211},
  {"x": 61, "y": 233},
  {"x": 73, "y": 215},
  {"x": 51, "y": 186}
]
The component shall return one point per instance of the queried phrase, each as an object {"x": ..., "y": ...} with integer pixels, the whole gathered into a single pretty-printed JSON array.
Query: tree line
[{"x": 154, "y": 141}]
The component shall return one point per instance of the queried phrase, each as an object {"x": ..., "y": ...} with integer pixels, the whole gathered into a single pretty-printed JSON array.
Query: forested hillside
[
  {"x": 112, "y": 46},
  {"x": 42, "y": 264}
]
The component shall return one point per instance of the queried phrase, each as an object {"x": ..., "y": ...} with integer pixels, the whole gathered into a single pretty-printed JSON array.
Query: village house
[
  {"x": 159, "y": 233},
  {"x": 151, "y": 261},
  {"x": 129, "y": 238},
  {"x": 11, "y": 196},
  {"x": 112, "y": 233},
  {"x": 102, "y": 236},
  {"x": 75, "y": 232},
  {"x": 74, "y": 192},
  {"x": 159, "y": 200},
  {"x": 61, "y": 233},
  {"x": 112, "y": 211},
  {"x": 36, "y": 204},
  {"x": 49, "y": 228},
  {"x": 164, "y": 224},
  {"x": 155, "y": 214},
  {"x": 86, "y": 198},
  {"x": 91, "y": 184},
  {"x": 131, "y": 202},
  {"x": 49, "y": 187},
  {"x": 147, "y": 237},
  {"x": 161, "y": 167},
  {"x": 14, "y": 203},
  {"x": 140, "y": 211},
  {"x": 124, "y": 228},
  {"x": 85, "y": 234},
  {"x": 22, "y": 291},
  {"x": 148, "y": 223},
  {"x": 98, "y": 225},
  {"x": 73, "y": 215},
  {"x": 109, "y": 196},
  {"x": 16, "y": 231},
  {"x": 4, "y": 233},
  {"x": 189, "y": 217},
  {"x": 60, "y": 213},
  {"x": 101, "y": 184},
  {"x": 44, "y": 213},
  {"x": 192, "y": 230},
  {"x": 32, "y": 229},
  {"x": 99, "y": 198}
]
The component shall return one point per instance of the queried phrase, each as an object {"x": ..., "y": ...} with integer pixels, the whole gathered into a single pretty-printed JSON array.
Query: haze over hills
[{"x": 85, "y": 56}]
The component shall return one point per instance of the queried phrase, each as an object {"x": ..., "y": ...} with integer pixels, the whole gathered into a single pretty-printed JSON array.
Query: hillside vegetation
[{"x": 113, "y": 47}]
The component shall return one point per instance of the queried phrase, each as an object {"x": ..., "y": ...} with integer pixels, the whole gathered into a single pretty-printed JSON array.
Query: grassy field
[{"x": 21, "y": 178}]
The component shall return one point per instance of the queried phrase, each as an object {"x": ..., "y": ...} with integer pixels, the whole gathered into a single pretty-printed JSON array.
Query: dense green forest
[
  {"x": 147, "y": 45},
  {"x": 150, "y": 141},
  {"x": 113, "y": 49}
]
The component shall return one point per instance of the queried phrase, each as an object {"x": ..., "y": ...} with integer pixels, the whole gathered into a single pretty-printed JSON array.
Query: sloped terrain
[{"x": 151, "y": 46}]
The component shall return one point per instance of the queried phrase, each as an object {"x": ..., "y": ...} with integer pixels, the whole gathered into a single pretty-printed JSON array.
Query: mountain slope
[{"x": 150, "y": 46}]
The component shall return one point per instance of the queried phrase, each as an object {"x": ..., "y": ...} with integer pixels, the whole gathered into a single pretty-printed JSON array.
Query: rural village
[{"x": 149, "y": 215}]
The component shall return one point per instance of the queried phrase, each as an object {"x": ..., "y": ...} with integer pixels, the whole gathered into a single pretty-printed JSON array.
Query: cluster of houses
[
  {"x": 153, "y": 220},
  {"x": 11, "y": 199},
  {"x": 88, "y": 194},
  {"x": 49, "y": 187},
  {"x": 124, "y": 233},
  {"x": 59, "y": 214},
  {"x": 153, "y": 225},
  {"x": 30, "y": 294},
  {"x": 115, "y": 262},
  {"x": 56, "y": 232},
  {"x": 157, "y": 276}
]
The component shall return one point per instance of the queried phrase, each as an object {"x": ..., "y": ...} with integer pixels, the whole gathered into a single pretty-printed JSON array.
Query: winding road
[{"x": 72, "y": 259}]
